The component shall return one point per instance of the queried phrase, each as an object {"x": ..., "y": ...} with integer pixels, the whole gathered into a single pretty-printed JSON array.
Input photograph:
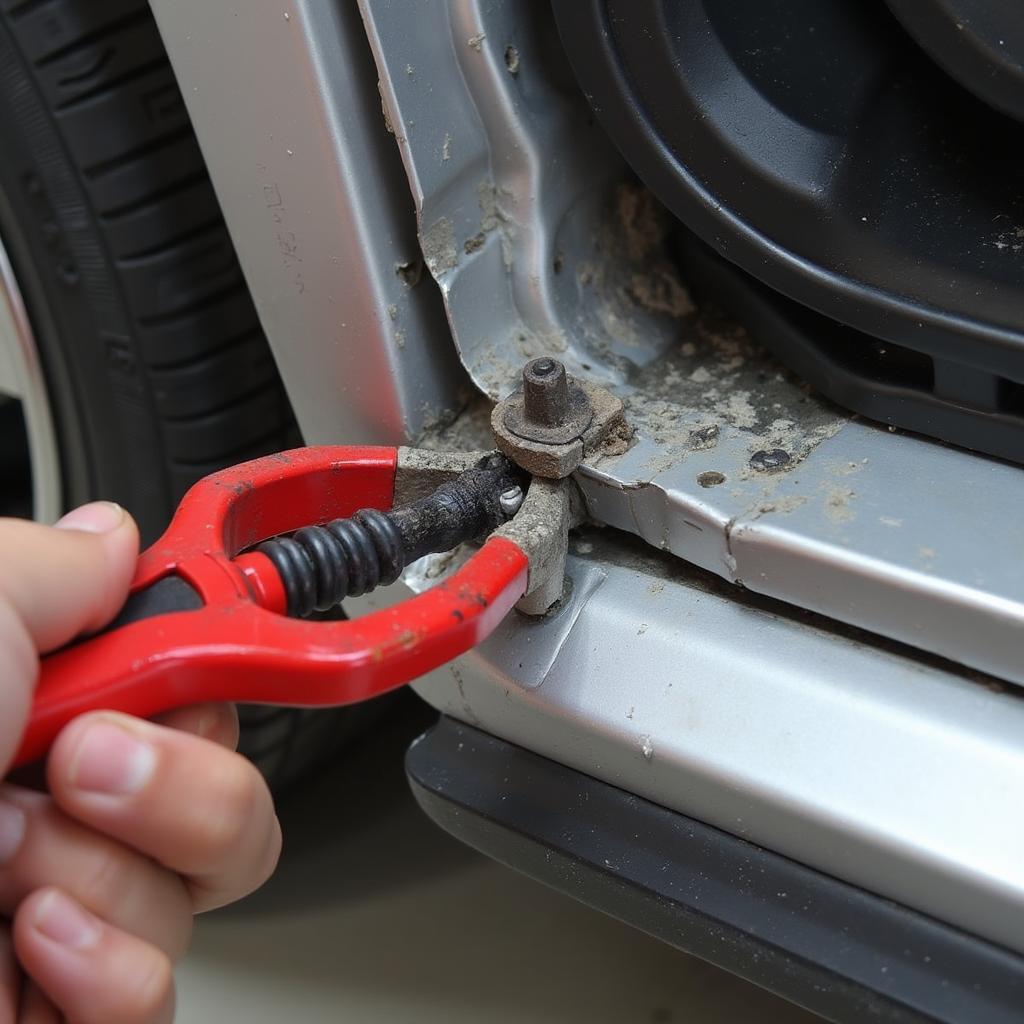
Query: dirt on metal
[{"x": 719, "y": 379}]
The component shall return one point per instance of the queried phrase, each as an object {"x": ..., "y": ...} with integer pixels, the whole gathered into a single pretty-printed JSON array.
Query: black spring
[{"x": 321, "y": 565}]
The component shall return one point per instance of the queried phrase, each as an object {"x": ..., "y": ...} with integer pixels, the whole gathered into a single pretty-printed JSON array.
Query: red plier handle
[{"x": 204, "y": 622}]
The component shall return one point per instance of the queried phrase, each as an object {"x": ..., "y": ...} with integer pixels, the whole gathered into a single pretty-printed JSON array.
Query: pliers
[{"x": 215, "y": 611}]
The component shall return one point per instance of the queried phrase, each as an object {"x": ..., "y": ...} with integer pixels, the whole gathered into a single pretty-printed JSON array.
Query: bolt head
[{"x": 768, "y": 461}]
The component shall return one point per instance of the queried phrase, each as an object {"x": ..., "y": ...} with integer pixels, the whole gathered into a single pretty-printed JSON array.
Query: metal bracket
[{"x": 541, "y": 528}]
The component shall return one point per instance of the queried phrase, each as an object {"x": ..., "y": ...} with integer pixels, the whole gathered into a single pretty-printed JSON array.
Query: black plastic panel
[
  {"x": 880, "y": 379},
  {"x": 844, "y": 953},
  {"x": 817, "y": 146}
]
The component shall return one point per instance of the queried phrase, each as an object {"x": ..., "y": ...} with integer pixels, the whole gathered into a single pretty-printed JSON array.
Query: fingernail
[
  {"x": 112, "y": 761},
  {"x": 65, "y": 922},
  {"x": 12, "y": 830},
  {"x": 97, "y": 517}
]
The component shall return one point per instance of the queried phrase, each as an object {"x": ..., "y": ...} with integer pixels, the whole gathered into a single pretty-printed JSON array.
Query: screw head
[
  {"x": 511, "y": 500},
  {"x": 767, "y": 461}
]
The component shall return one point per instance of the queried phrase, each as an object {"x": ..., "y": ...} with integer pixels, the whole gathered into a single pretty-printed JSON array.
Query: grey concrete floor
[{"x": 375, "y": 915}]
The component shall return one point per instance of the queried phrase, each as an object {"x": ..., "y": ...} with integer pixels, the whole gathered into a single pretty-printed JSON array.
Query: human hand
[{"x": 144, "y": 824}]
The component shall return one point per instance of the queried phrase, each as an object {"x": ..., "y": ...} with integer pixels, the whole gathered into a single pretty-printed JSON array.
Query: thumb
[
  {"x": 70, "y": 578},
  {"x": 56, "y": 582}
]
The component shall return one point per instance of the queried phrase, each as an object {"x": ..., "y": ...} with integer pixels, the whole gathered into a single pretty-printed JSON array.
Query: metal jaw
[
  {"x": 541, "y": 530},
  {"x": 540, "y": 527}
]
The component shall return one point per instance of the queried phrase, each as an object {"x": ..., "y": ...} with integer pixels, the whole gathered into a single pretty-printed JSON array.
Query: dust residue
[
  {"x": 495, "y": 204},
  {"x": 711, "y": 385},
  {"x": 632, "y": 294},
  {"x": 739, "y": 411},
  {"x": 716, "y": 379},
  {"x": 1009, "y": 240},
  {"x": 469, "y": 431},
  {"x": 476, "y": 42},
  {"x": 439, "y": 250},
  {"x": 780, "y": 506},
  {"x": 837, "y": 503},
  {"x": 643, "y": 225},
  {"x": 616, "y": 443},
  {"x": 531, "y": 344}
]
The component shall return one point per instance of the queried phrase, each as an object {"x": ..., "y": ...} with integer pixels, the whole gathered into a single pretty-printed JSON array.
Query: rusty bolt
[
  {"x": 545, "y": 392},
  {"x": 552, "y": 408}
]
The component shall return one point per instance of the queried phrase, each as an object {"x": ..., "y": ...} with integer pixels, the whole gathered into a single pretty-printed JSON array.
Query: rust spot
[{"x": 407, "y": 638}]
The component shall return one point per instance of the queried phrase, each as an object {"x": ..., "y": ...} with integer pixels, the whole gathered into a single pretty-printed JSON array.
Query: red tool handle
[{"x": 234, "y": 644}]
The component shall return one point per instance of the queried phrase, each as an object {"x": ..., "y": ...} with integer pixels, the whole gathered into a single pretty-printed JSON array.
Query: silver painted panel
[
  {"x": 897, "y": 775},
  {"x": 284, "y": 100},
  {"x": 910, "y": 539}
]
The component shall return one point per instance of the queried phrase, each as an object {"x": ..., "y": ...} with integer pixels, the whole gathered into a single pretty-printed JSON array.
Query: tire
[{"x": 156, "y": 366}]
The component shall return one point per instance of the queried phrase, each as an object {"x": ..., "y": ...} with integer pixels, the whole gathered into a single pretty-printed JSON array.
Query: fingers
[
  {"x": 119, "y": 884},
  {"x": 200, "y": 810},
  {"x": 92, "y": 971},
  {"x": 217, "y": 723},
  {"x": 72, "y": 579},
  {"x": 55, "y": 584},
  {"x": 17, "y": 681}
]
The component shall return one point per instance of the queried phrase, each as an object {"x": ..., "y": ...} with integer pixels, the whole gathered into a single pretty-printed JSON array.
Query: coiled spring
[{"x": 321, "y": 565}]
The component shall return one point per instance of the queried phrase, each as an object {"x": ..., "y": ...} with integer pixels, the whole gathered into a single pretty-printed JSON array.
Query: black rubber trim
[{"x": 833, "y": 948}]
